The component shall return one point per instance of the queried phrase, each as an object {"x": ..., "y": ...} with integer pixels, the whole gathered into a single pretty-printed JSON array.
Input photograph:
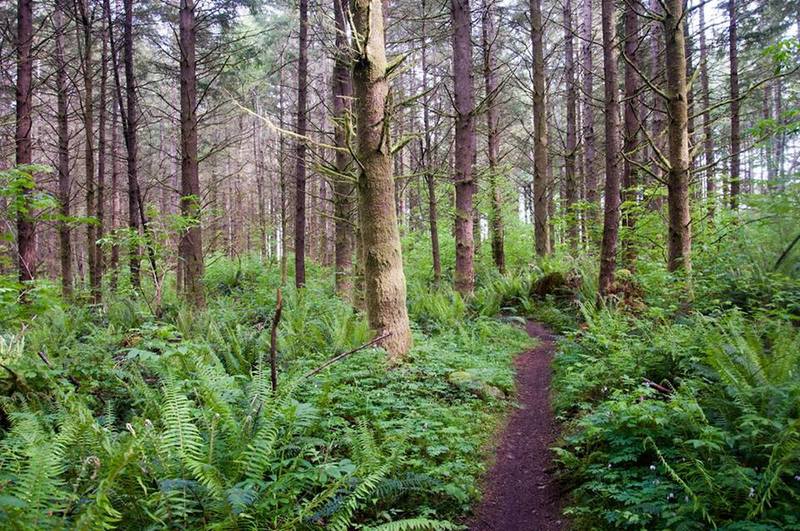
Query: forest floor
[{"x": 520, "y": 492}]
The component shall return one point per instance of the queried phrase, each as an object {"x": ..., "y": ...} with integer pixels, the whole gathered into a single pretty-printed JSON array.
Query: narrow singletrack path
[{"x": 520, "y": 493}]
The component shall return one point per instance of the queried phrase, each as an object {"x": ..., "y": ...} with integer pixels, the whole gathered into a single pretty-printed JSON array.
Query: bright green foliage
[
  {"x": 135, "y": 422},
  {"x": 716, "y": 443}
]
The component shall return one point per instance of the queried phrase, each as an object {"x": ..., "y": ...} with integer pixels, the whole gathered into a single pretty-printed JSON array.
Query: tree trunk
[
  {"x": 608, "y": 250},
  {"x": 489, "y": 34},
  {"x": 115, "y": 202},
  {"x": 300, "y": 170},
  {"x": 26, "y": 229},
  {"x": 63, "y": 155},
  {"x": 680, "y": 240},
  {"x": 191, "y": 245},
  {"x": 735, "y": 127},
  {"x": 84, "y": 14},
  {"x": 708, "y": 139},
  {"x": 658, "y": 112},
  {"x": 571, "y": 183},
  {"x": 540, "y": 154},
  {"x": 464, "y": 100},
  {"x": 430, "y": 178},
  {"x": 589, "y": 150},
  {"x": 128, "y": 113},
  {"x": 343, "y": 189},
  {"x": 632, "y": 125},
  {"x": 102, "y": 148},
  {"x": 383, "y": 261}
]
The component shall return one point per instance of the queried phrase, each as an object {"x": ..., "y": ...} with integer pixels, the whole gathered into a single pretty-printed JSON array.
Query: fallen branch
[
  {"x": 344, "y": 355},
  {"x": 658, "y": 387}
]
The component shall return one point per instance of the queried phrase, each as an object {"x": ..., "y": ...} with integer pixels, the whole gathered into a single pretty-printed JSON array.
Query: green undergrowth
[
  {"x": 683, "y": 414},
  {"x": 112, "y": 418}
]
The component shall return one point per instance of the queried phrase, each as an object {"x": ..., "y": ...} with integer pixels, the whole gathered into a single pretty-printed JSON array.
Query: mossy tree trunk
[
  {"x": 385, "y": 283},
  {"x": 680, "y": 239}
]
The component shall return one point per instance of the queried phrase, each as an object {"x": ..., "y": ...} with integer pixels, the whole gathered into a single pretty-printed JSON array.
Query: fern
[{"x": 416, "y": 524}]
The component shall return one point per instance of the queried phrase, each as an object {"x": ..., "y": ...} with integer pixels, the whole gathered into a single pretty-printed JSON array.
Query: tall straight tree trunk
[
  {"x": 102, "y": 148},
  {"x": 83, "y": 10},
  {"x": 282, "y": 184},
  {"x": 128, "y": 113},
  {"x": 430, "y": 178},
  {"x": 343, "y": 187},
  {"x": 608, "y": 249},
  {"x": 540, "y": 155},
  {"x": 489, "y": 34},
  {"x": 735, "y": 126},
  {"x": 26, "y": 230},
  {"x": 65, "y": 243},
  {"x": 589, "y": 150},
  {"x": 383, "y": 261},
  {"x": 571, "y": 183},
  {"x": 191, "y": 245},
  {"x": 708, "y": 139},
  {"x": 300, "y": 169},
  {"x": 658, "y": 113},
  {"x": 679, "y": 246},
  {"x": 115, "y": 202},
  {"x": 464, "y": 99},
  {"x": 632, "y": 123}
]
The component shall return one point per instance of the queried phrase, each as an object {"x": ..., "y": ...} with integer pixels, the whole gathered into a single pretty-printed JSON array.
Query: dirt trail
[{"x": 519, "y": 492}]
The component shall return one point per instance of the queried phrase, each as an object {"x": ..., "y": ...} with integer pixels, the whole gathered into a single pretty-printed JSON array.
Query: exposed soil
[{"x": 520, "y": 493}]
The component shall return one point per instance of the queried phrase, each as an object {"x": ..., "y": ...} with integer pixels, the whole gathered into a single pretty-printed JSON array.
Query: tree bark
[
  {"x": 191, "y": 244},
  {"x": 608, "y": 249},
  {"x": 26, "y": 229},
  {"x": 300, "y": 169},
  {"x": 84, "y": 15},
  {"x": 680, "y": 240},
  {"x": 464, "y": 99},
  {"x": 489, "y": 34},
  {"x": 343, "y": 189},
  {"x": 383, "y": 261},
  {"x": 102, "y": 149},
  {"x": 282, "y": 184},
  {"x": 735, "y": 120},
  {"x": 430, "y": 177},
  {"x": 540, "y": 154},
  {"x": 571, "y": 183},
  {"x": 129, "y": 115},
  {"x": 64, "y": 235},
  {"x": 708, "y": 139},
  {"x": 632, "y": 125},
  {"x": 589, "y": 150}
]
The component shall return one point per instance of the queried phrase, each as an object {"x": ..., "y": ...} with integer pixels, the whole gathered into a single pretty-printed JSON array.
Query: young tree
[
  {"x": 679, "y": 237},
  {"x": 343, "y": 186},
  {"x": 26, "y": 229},
  {"x": 587, "y": 111},
  {"x": 300, "y": 168},
  {"x": 571, "y": 183},
  {"x": 62, "y": 128},
  {"x": 541, "y": 160},
  {"x": 489, "y": 36},
  {"x": 99, "y": 259},
  {"x": 464, "y": 99},
  {"x": 632, "y": 121},
  {"x": 385, "y": 283},
  {"x": 608, "y": 249},
  {"x": 85, "y": 17},
  {"x": 191, "y": 244},
  {"x": 430, "y": 176},
  {"x": 708, "y": 139},
  {"x": 735, "y": 119}
]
